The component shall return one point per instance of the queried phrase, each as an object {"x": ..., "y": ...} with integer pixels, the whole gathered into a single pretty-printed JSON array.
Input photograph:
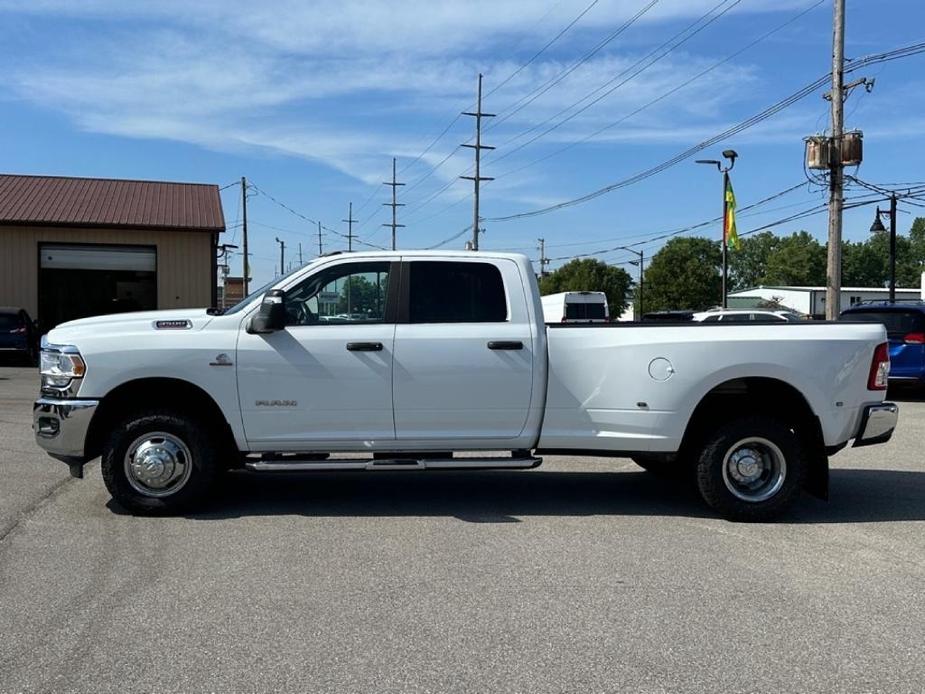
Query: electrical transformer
[
  {"x": 818, "y": 152},
  {"x": 821, "y": 151},
  {"x": 852, "y": 148}
]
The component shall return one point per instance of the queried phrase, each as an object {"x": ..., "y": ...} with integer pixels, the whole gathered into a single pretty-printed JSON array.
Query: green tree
[
  {"x": 747, "y": 265},
  {"x": 684, "y": 274},
  {"x": 908, "y": 267},
  {"x": 917, "y": 241},
  {"x": 360, "y": 295},
  {"x": 798, "y": 260},
  {"x": 862, "y": 265},
  {"x": 589, "y": 275}
]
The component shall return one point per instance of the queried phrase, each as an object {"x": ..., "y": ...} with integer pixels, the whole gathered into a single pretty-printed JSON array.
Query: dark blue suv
[
  {"x": 18, "y": 334},
  {"x": 905, "y": 329}
]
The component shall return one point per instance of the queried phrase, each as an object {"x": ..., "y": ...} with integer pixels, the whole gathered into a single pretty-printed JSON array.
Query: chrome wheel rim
[
  {"x": 158, "y": 464},
  {"x": 754, "y": 469}
]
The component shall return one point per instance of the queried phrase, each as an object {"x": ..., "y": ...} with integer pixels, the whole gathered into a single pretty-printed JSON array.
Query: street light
[
  {"x": 878, "y": 228},
  {"x": 731, "y": 155}
]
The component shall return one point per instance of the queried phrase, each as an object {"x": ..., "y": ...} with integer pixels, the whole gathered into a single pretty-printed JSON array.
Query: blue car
[
  {"x": 18, "y": 334},
  {"x": 905, "y": 329}
]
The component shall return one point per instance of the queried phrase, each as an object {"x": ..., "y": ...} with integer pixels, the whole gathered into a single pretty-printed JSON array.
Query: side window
[
  {"x": 711, "y": 319},
  {"x": 347, "y": 293},
  {"x": 736, "y": 318},
  {"x": 449, "y": 292}
]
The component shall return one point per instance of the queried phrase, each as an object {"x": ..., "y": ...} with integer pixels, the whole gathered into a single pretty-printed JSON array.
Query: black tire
[
  {"x": 189, "y": 490},
  {"x": 752, "y": 433}
]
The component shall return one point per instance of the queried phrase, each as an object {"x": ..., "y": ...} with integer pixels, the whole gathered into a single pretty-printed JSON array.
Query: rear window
[
  {"x": 9, "y": 321},
  {"x": 446, "y": 292},
  {"x": 897, "y": 323},
  {"x": 584, "y": 311}
]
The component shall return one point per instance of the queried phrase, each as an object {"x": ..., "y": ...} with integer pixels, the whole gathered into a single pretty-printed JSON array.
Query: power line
[
  {"x": 543, "y": 49},
  {"x": 641, "y": 176},
  {"x": 442, "y": 210},
  {"x": 533, "y": 95},
  {"x": 666, "y": 94},
  {"x": 693, "y": 28},
  {"x": 496, "y": 88},
  {"x": 660, "y": 236},
  {"x": 310, "y": 220},
  {"x": 520, "y": 104},
  {"x": 450, "y": 239},
  {"x": 666, "y": 48},
  {"x": 770, "y": 111},
  {"x": 282, "y": 204}
]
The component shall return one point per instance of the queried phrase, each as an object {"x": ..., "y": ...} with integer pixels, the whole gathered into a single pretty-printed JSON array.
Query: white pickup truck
[{"x": 404, "y": 360}]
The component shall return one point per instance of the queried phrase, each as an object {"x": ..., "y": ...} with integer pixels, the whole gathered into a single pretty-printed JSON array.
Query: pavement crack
[{"x": 7, "y": 529}]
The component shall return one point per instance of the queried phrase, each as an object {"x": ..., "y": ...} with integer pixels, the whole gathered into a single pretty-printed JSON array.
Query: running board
[{"x": 394, "y": 464}]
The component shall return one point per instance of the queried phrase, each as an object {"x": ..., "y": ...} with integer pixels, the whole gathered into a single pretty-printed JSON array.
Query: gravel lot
[{"x": 580, "y": 576}]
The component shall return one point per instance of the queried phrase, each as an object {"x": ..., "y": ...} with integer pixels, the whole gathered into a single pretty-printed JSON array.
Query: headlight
[{"x": 60, "y": 366}]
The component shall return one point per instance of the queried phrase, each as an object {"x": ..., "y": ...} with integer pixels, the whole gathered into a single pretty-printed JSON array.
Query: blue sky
[{"x": 311, "y": 100}]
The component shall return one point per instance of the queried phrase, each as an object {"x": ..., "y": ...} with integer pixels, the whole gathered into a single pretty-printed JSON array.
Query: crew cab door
[
  {"x": 464, "y": 351},
  {"x": 326, "y": 379}
]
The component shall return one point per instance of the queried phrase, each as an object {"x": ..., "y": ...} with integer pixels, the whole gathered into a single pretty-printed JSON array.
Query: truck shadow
[{"x": 857, "y": 496}]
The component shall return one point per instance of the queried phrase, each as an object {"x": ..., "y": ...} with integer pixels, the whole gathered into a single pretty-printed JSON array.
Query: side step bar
[{"x": 394, "y": 464}]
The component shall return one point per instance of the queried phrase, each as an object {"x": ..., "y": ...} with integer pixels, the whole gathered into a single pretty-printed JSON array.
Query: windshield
[
  {"x": 584, "y": 311},
  {"x": 254, "y": 294},
  {"x": 9, "y": 321},
  {"x": 896, "y": 322}
]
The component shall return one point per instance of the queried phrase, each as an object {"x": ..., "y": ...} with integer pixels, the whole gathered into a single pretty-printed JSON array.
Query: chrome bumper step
[{"x": 295, "y": 465}]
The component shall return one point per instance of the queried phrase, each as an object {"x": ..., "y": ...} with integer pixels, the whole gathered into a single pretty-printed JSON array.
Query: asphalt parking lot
[{"x": 580, "y": 576}]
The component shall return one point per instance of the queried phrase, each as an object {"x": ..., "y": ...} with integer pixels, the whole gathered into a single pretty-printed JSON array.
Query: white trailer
[{"x": 576, "y": 307}]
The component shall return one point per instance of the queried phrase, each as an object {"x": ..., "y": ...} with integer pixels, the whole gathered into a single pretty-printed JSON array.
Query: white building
[{"x": 811, "y": 300}]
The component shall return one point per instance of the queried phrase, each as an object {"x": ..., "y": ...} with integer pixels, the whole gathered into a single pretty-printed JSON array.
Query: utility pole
[
  {"x": 893, "y": 248},
  {"x": 350, "y": 220},
  {"x": 836, "y": 168},
  {"x": 282, "y": 257},
  {"x": 300, "y": 254},
  {"x": 544, "y": 261},
  {"x": 224, "y": 252},
  {"x": 394, "y": 204},
  {"x": 320, "y": 247},
  {"x": 637, "y": 304},
  {"x": 478, "y": 147},
  {"x": 247, "y": 269}
]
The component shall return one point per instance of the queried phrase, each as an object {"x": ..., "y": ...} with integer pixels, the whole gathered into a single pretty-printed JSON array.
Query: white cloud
[
  {"x": 349, "y": 82},
  {"x": 374, "y": 27}
]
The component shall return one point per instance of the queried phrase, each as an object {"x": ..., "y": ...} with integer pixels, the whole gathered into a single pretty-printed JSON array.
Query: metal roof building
[{"x": 73, "y": 247}]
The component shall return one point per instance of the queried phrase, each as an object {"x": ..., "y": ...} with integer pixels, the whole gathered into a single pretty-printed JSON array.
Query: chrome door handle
[
  {"x": 505, "y": 344},
  {"x": 364, "y": 346}
]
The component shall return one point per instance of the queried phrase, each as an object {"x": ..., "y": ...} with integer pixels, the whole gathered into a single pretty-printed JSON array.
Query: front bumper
[
  {"x": 877, "y": 424},
  {"x": 61, "y": 426}
]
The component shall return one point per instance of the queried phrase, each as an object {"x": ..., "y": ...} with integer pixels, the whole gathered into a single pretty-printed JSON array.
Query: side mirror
[{"x": 271, "y": 316}]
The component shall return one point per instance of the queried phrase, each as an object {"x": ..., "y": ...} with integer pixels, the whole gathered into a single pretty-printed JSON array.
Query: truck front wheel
[
  {"x": 751, "y": 469},
  {"x": 158, "y": 462}
]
